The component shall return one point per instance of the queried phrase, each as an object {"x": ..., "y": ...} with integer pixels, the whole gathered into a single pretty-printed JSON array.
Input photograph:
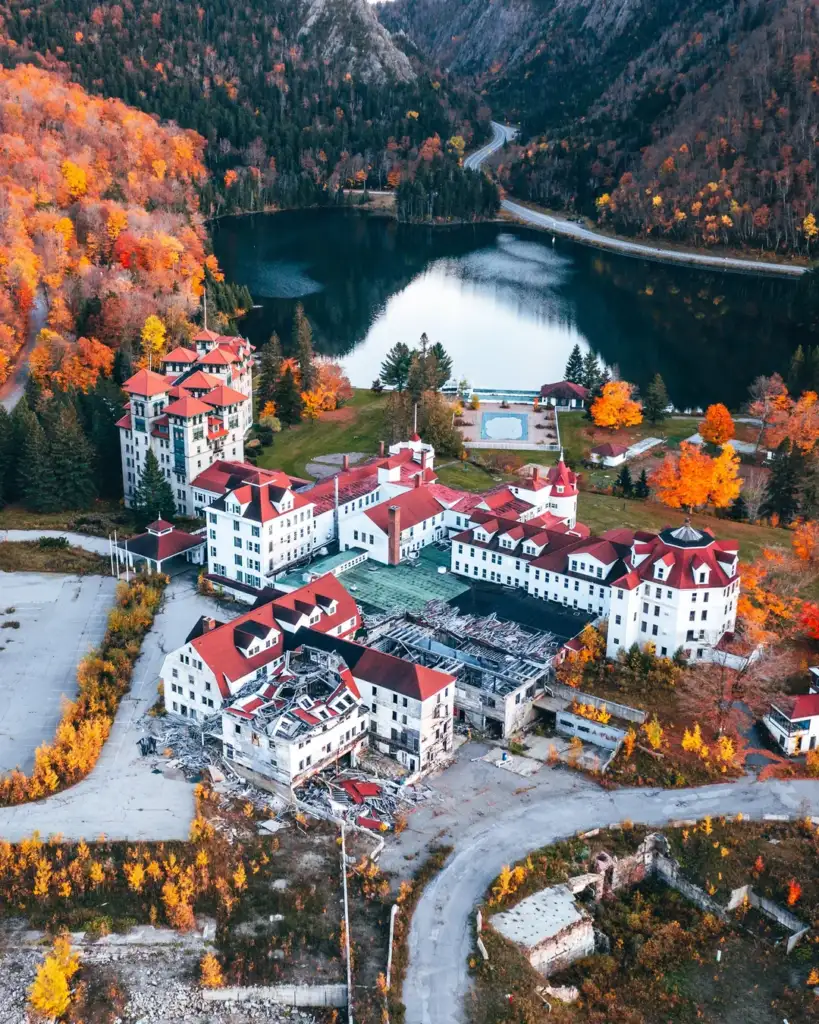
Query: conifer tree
[
  {"x": 21, "y": 423},
  {"x": 270, "y": 367},
  {"x": 288, "y": 399},
  {"x": 443, "y": 366},
  {"x": 738, "y": 509},
  {"x": 396, "y": 366},
  {"x": 72, "y": 462},
  {"x": 36, "y": 485},
  {"x": 655, "y": 400},
  {"x": 796, "y": 371},
  {"x": 153, "y": 497},
  {"x": 641, "y": 488},
  {"x": 592, "y": 374},
  {"x": 624, "y": 483},
  {"x": 303, "y": 345},
  {"x": 784, "y": 483},
  {"x": 5, "y": 455},
  {"x": 574, "y": 366}
]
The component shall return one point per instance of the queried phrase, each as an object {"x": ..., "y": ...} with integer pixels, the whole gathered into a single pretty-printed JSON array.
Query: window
[
  {"x": 617, "y": 619},
  {"x": 236, "y": 525},
  {"x": 643, "y": 627},
  {"x": 654, "y": 629},
  {"x": 237, "y": 729},
  {"x": 692, "y": 615},
  {"x": 704, "y": 616}
]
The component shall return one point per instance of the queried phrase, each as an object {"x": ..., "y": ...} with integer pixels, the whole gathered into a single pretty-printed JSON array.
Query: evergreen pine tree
[
  {"x": 655, "y": 400},
  {"x": 592, "y": 374},
  {"x": 5, "y": 454},
  {"x": 123, "y": 367},
  {"x": 443, "y": 366},
  {"x": 104, "y": 406},
  {"x": 72, "y": 462},
  {"x": 796, "y": 372},
  {"x": 812, "y": 370},
  {"x": 303, "y": 345},
  {"x": 624, "y": 484},
  {"x": 288, "y": 399},
  {"x": 738, "y": 509},
  {"x": 36, "y": 485},
  {"x": 809, "y": 487},
  {"x": 21, "y": 423},
  {"x": 270, "y": 367},
  {"x": 784, "y": 483},
  {"x": 153, "y": 497},
  {"x": 396, "y": 366},
  {"x": 641, "y": 488},
  {"x": 574, "y": 366}
]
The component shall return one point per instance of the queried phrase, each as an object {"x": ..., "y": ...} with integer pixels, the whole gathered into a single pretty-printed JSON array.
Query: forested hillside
[
  {"x": 100, "y": 225},
  {"x": 296, "y": 98},
  {"x": 691, "y": 121}
]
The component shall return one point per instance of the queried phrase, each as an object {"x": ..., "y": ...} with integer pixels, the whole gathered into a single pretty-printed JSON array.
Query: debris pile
[
  {"x": 359, "y": 799},
  {"x": 489, "y": 630}
]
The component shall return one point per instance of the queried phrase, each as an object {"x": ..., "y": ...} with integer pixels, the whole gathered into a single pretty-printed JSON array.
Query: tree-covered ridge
[
  {"x": 287, "y": 116},
  {"x": 704, "y": 138},
  {"x": 100, "y": 214}
]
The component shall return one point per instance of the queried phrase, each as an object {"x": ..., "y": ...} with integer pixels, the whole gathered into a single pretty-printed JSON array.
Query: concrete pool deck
[{"x": 519, "y": 427}]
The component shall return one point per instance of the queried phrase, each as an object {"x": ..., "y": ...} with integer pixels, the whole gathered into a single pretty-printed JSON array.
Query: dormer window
[
  {"x": 559, "y": 488},
  {"x": 702, "y": 577}
]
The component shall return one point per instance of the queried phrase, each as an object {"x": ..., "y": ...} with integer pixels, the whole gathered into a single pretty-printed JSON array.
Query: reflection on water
[{"x": 506, "y": 303}]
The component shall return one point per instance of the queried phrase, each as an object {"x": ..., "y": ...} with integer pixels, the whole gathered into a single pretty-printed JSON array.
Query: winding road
[
  {"x": 440, "y": 938},
  {"x": 580, "y": 233}
]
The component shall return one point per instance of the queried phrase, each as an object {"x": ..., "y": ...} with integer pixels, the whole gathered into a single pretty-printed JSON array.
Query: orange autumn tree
[
  {"x": 616, "y": 406},
  {"x": 794, "y": 421},
  {"x": 767, "y": 608},
  {"x": 718, "y": 425},
  {"x": 69, "y": 365},
  {"x": 88, "y": 217},
  {"x": 805, "y": 540},
  {"x": 693, "y": 479}
]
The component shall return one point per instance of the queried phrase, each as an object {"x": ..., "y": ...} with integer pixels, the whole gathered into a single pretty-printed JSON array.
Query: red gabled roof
[
  {"x": 221, "y": 476},
  {"x": 186, "y": 407},
  {"x": 805, "y": 705},
  {"x": 124, "y": 421},
  {"x": 404, "y": 677},
  {"x": 180, "y": 355},
  {"x": 201, "y": 381},
  {"x": 206, "y": 335},
  {"x": 564, "y": 389},
  {"x": 608, "y": 449},
  {"x": 415, "y": 505},
  {"x": 222, "y": 396},
  {"x": 218, "y": 357},
  {"x": 146, "y": 384},
  {"x": 563, "y": 476},
  {"x": 291, "y": 607},
  {"x": 217, "y": 648}
]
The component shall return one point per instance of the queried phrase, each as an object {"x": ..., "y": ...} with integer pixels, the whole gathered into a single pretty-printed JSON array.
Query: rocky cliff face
[{"x": 348, "y": 33}]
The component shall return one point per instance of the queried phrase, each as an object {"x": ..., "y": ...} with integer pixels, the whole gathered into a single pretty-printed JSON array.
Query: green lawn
[
  {"x": 578, "y": 435},
  {"x": 358, "y": 427},
  {"x": 465, "y": 476}
]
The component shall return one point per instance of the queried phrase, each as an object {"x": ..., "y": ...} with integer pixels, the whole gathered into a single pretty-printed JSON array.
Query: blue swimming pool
[{"x": 504, "y": 426}]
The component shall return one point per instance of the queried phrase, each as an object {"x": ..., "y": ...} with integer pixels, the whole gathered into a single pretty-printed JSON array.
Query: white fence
[{"x": 282, "y": 995}]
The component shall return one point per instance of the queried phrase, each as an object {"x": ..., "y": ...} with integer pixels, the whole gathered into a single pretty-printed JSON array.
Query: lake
[{"x": 506, "y": 303}]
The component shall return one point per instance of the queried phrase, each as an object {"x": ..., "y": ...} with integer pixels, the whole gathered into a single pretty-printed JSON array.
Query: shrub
[{"x": 53, "y": 542}]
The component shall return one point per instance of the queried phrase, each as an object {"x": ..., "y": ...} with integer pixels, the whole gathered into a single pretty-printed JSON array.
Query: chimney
[
  {"x": 394, "y": 535},
  {"x": 381, "y": 449},
  {"x": 345, "y": 463},
  {"x": 419, "y": 479},
  {"x": 536, "y": 475},
  {"x": 208, "y": 624},
  {"x": 424, "y": 454}
]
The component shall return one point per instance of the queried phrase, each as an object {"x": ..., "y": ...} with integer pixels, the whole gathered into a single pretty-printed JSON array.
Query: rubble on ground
[{"x": 361, "y": 798}]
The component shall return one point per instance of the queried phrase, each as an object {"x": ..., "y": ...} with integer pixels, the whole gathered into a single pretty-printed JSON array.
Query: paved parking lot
[{"x": 60, "y": 618}]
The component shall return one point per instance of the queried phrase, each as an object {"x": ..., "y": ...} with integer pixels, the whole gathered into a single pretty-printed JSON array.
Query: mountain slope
[
  {"x": 693, "y": 121},
  {"x": 296, "y": 98}
]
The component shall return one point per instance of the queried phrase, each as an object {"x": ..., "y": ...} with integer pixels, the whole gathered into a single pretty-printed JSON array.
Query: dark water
[{"x": 507, "y": 304}]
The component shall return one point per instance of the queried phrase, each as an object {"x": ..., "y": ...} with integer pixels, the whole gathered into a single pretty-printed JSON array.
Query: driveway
[
  {"x": 492, "y": 826},
  {"x": 126, "y": 796},
  {"x": 59, "y": 619}
]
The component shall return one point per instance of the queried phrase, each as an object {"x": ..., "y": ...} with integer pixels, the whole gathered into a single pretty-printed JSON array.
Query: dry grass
[{"x": 31, "y": 556}]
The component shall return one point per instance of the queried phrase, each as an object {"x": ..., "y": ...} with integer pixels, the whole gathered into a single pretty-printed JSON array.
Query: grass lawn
[
  {"x": 101, "y": 519},
  {"x": 465, "y": 476},
  {"x": 578, "y": 435},
  {"x": 358, "y": 427},
  {"x": 29, "y": 556}
]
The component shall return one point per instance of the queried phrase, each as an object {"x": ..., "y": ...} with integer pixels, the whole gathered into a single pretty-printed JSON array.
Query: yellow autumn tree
[
  {"x": 50, "y": 992},
  {"x": 153, "y": 338},
  {"x": 210, "y": 972}
]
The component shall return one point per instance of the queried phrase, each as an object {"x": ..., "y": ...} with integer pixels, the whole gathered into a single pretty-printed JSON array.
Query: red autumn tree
[{"x": 718, "y": 425}]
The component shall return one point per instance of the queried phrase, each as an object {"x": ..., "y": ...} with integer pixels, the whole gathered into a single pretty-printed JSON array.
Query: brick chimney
[
  {"x": 536, "y": 475},
  {"x": 394, "y": 535},
  {"x": 424, "y": 455},
  {"x": 345, "y": 463},
  {"x": 208, "y": 624},
  {"x": 381, "y": 449},
  {"x": 419, "y": 479}
]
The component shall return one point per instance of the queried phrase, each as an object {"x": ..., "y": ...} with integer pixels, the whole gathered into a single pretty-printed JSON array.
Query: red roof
[
  {"x": 292, "y": 608},
  {"x": 147, "y": 384},
  {"x": 222, "y": 476},
  {"x": 503, "y": 502},
  {"x": 222, "y": 395},
  {"x": 416, "y": 506},
  {"x": 357, "y": 791},
  {"x": 124, "y": 421},
  {"x": 564, "y": 389},
  {"x": 186, "y": 407},
  {"x": 561, "y": 475},
  {"x": 201, "y": 381},
  {"x": 404, "y": 677},
  {"x": 805, "y": 705},
  {"x": 609, "y": 450},
  {"x": 206, "y": 335},
  {"x": 218, "y": 357},
  {"x": 159, "y": 547},
  {"x": 180, "y": 355},
  {"x": 159, "y": 526},
  {"x": 218, "y": 647}
]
